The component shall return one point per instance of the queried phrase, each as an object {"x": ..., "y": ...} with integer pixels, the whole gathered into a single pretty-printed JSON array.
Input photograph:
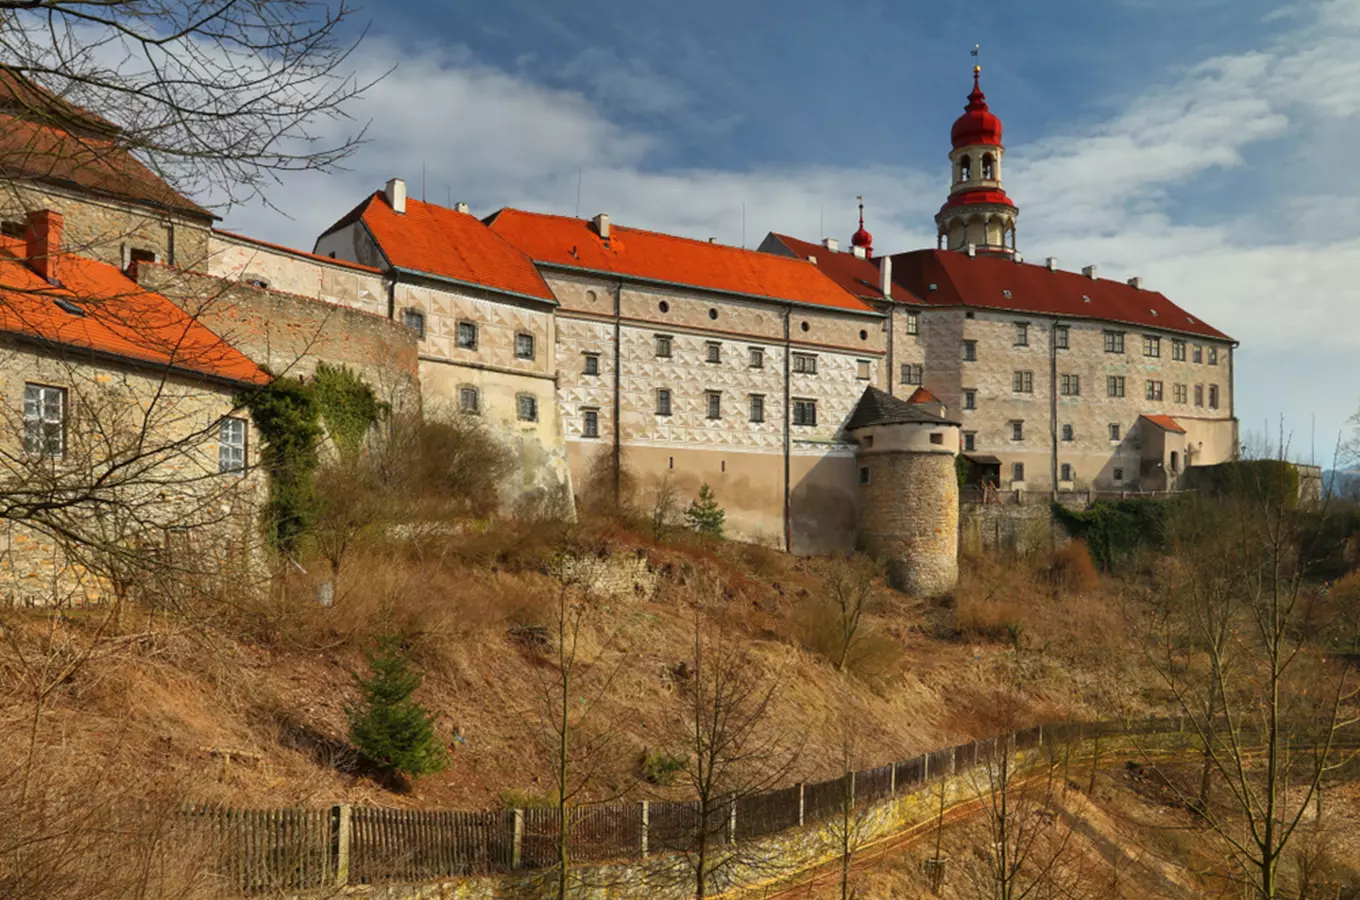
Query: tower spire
[
  {"x": 862, "y": 240},
  {"x": 978, "y": 214}
]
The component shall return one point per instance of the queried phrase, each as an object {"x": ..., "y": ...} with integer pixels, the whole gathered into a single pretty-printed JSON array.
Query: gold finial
[{"x": 977, "y": 70}]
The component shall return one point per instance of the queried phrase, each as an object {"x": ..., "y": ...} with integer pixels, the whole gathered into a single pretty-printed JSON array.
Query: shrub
[
  {"x": 660, "y": 768},
  {"x": 1071, "y": 568},
  {"x": 347, "y": 405},
  {"x": 704, "y": 515},
  {"x": 1115, "y": 530},
  {"x": 452, "y": 465},
  {"x": 389, "y": 729}
]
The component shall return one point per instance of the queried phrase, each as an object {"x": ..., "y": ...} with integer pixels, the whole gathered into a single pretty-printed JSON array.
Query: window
[
  {"x": 965, "y": 167},
  {"x": 44, "y": 420},
  {"x": 863, "y": 474},
  {"x": 524, "y": 346},
  {"x": 590, "y": 423},
  {"x": 1067, "y": 432},
  {"x": 592, "y": 366},
  {"x": 1118, "y": 474},
  {"x": 805, "y": 412},
  {"x": 937, "y": 437},
  {"x": 1178, "y": 350},
  {"x": 1114, "y": 342},
  {"x": 970, "y": 441},
  {"x": 970, "y": 351},
  {"x": 1065, "y": 472},
  {"x": 141, "y": 255},
  {"x": 1180, "y": 393},
  {"x": 1213, "y": 396},
  {"x": 231, "y": 445},
  {"x": 713, "y": 399},
  {"x": 1198, "y": 354},
  {"x": 913, "y": 324},
  {"x": 1152, "y": 345},
  {"x": 1114, "y": 385},
  {"x": 757, "y": 407},
  {"x": 1060, "y": 336},
  {"x": 988, "y": 167},
  {"x": 527, "y": 407},
  {"x": 1213, "y": 356},
  {"x": 13, "y": 229},
  {"x": 1199, "y": 395},
  {"x": 913, "y": 373},
  {"x": 1114, "y": 431},
  {"x": 1154, "y": 390},
  {"x": 805, "y": 363},
  {"x": 713, "y": 351},
  {"x": 757, "y": 360},
  {"x": 1022, "y": 382},
  {"x": 1070, "y": 385},
  {"x": 469, "y": 399},
  {"x": 862, "y": 369},
  {"x": 1017, "y": 471},
  {"x": 663, "y": 346},
  {"x": 1017, "y": 430},
  {"x": 663, "y": 402},
  {"x": 1022, "y": 334},
  {"x": 970, "y": 399},
  {"x": 414, "y": 319},
  {"x": 467, "y": 335}
]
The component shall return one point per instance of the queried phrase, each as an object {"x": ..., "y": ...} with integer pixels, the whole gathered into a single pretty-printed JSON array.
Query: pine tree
[
  {"x": 390, "y": 729},
  {"x": 704, "y": 515}
]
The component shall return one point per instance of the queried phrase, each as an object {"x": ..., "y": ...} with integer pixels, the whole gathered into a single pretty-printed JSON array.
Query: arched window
[
  {"x": 1175, "y": 462},
  {"x": 965, "y": 167},
  {"x": 988, "y": 167}
]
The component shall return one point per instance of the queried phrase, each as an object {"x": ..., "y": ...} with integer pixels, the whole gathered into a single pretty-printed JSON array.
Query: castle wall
[
  {"x": 909, "y": 516},
  {"x": 295, "y": 273}
]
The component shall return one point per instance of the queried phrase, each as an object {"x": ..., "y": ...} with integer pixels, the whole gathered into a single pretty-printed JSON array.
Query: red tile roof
[
  {"x": 295, "y": 252},
  {"x": 120, "y": 318},
  {"x": 1166, "y": 423},
  {"x": 921, "y": 395},
  {"x": 853, "y": 273},
  {"x": 992, "y": 282},
  {"x": 564, "y": 241},
  {"x": 446, "y": 243}
]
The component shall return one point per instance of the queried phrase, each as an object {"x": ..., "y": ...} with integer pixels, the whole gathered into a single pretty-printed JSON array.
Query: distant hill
[{"x": 1342, "y": 482}]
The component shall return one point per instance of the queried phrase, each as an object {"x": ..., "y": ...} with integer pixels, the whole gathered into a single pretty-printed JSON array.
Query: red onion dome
[
  {"x": 862, "y": 238},
  {"x": 977, "y": 125}
]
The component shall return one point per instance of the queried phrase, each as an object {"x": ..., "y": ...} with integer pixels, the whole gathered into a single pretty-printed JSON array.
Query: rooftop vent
[
  {"x": 1153, "y": 311},
  {"x": 1136, "y": 282},
  {"x": 812, "y": 259},
  {"x": 1089, "y": 271},
  {"x": 831, "y": 244},
  {"x": 395, "y": 190},
  {"x": 972, "y": 251},
  {"x": 1005, "y": 292},
  {"x": 933, "y": 287},
  {"x": 601, "y": 223},
  {"x": 1085, "y": 299},
  {"x": 1052, "y": 263},
  {"x": 461, "y": 207},
  {"x": 1190, "y": 319}
]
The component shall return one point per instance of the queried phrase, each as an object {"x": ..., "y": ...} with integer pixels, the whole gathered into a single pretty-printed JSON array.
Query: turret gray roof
[{"x": 878, "y": 407}]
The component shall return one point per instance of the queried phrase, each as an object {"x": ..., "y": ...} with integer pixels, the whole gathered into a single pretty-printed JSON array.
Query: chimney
[
  {"x": 972, "y": 251},
  {"x": 461, "y": 207},
  {"x": 42, "y": 242},
  {"x": 885, "y": 276},
  {"x": 831, "y": 244},
  {"x": 1018, "y": 258},
  {"x": 1052, "y": 263},
  {"x": 1089, "y": 272},
  {"x": 861, "y": 253},
  {"x": 396, "y": 195},
  {"x": 601, "y": 223},
  {"x": 1136, "y": 282}
]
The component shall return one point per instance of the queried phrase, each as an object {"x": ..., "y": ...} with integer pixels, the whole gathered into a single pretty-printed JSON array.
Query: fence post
[
  {"x": 801, "y": 807},
  {"x": 518, "y": 845},
  {"x": 342, "y": 818},
  {"x": 646, "y": 822}
]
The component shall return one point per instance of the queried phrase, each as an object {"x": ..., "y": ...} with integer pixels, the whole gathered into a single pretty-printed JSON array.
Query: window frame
[
  {"x": 1199, "y": 395},
  {"x": 663, "y": 346},
  {"x": 1114, "y": 386},
  {"x": 804, "y": 363},
  {"x": 1022, "y": 334},
  {"x": 863, "y": 369},
  {"x": 591, "y": 364},
  {"x": 521, "y": 338},
  {"x": 713, "y": 405},
  {"x": 665, "y": 402},
  {"x": 970, "y": 399},
  {"x": 1068, "y": 434},
  {"x": 532, "y": 400},
  {"x": 1197, "y": 353},
  {"x": 756, "y": 408},
  {"x": 411, "y": 313},
  {"x": 590, "y": 422},
  {"x": 1156, "y": 390},
  {"x": 969, "y": 441},
  {"x": 1213, "y": 396},
  {"x": 224, "y": 468},
  {"x": 1152, "y": 346},
  {"x": 802, "y": 406},
  {"x": 755, "y": 358},
  {"x": 458, "y": 334},
  {"x": 970, "y": 351},
  {"x": 1069, "y": 385},
  {"x": 1180, "y": 393},
  {"x": 713, "y": 352},
  {"x": 1022, "y": 382},
  {"x": 1213, "y": 356},
  {"x": 466, "y": 390},
  {"x": 913, "y": 373},
  {"x": 1065, "y": 472},
  {"x": 1115, "y": 431},
  {"x": 36, "y": 443},
  {"x": 1017, "y": 430},
  {"x": 1114, "y": 341},
  {"x": 1018, "y": 472},
  {"x": 1062, "y": 337},
  {"x": 913, "y": 323},
  {"x": 1177, "y": 350}
]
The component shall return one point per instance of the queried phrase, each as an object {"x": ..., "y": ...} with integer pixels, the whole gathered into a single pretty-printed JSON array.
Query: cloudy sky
[{"x": 1211, "y": 146}]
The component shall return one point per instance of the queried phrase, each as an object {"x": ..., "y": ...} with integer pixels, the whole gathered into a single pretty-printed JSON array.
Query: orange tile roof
[
  {"x": 574, "y": 243},
  {"x": 853, "y": 273},
  {"x": 306, "y": 254},
  {"x": 1166, "y": 423},
  {"x": 120, "y": 318},
  {"x": 921, "y": 395},
  {"x": 435, "y": 240}
]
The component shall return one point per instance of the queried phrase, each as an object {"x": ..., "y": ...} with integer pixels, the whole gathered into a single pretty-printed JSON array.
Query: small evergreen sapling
[
  {"x": 704, "y": 515},
  {"x": 388, "y": 728}
]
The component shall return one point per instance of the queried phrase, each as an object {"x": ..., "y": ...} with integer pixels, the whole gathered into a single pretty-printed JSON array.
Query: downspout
[
  {"x": 618, "y": 365},
  {"x": 788, "y": 432},
  {"x": 1053, "y": 403},
  {"x": 892, "y": 327},
  {"x": 1232, "y": 401}
]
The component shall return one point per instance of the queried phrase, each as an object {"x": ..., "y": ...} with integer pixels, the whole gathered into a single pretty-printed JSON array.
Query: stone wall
[
  {"x": 240, "y": 259},
  {"x": 1019, "y": 529},
  {"x": 909, "y": 516}
]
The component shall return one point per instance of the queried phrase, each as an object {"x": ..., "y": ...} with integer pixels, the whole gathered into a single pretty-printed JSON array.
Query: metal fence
[{"x": 261, "y": 851}]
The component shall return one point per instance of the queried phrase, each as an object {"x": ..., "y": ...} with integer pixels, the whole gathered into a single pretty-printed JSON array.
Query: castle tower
[
  {"x": 908, "y": 488},
  {"x": 862, "y": 242},
  {"x": 978, "y": 213}
]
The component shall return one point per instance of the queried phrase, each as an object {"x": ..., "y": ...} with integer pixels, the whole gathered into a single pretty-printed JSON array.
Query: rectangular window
[
  {"x": 970, "y": 399},
  {"x": 863, "y": 474},
  {"x": 1152, "y": 345},
  {"x": 1197, "y": 353},
  {"x": 1060, "y": 336},
  {"x": 1022, "y": 334},
  {"x": 663, "y": 346},
  {"x": 469, "y": 399},
  {"x": 970, "y": 441},
  {"x": 1213, "y": 396},
  {"x": 524, "y": 346},
  {"x": 467, "y": 335},
  {"x": 805, "y": 363},
  {"x": 231, "y": 445},
  {"x": 590, "y": 423},
  {"x": 757, "y": 407},
  {"x": 757, "y": 358},
  {"x": 913, "y": 373},
  {"x": 937, "y": 437},
  {"x": 1213, "y": 356},
  {"x": 1178, "y": 350},
  {"x": 592, "y": 366},
  {"x": 1017, "y": 471},
  {"x": 1114, "y": 342},
  {"x": 913, "y": 324},
  {"x": 1199, "y": 395},
  {"x": 713, "y": 400},
  {"x": 1070, "y": 385},
  {"x": 1022, "y": 382},
  {"x": 44, "y": 420},
  {"x": 414, "y": 319},
  {"x": 862, "y": 369},
  {"x": 1118, "y": 474},
  {"x": 1114, "y": 385},
  {"x": 663, "y": 402},
  {"x": 527, "y": 407},
  {"x": 1180, "y": 393},
  {"x": 1067, "y": 433},
  {"x": 1154, "y": 390},
  {"x": 1114, "y": 431},
  {"x": 970, "y": 351},
  {"x": 1065, "y": 472},
  {"x": 713, "y": 351},
  {"x": 1017, "y": 430},
  {"x": 805, "y": 412}
]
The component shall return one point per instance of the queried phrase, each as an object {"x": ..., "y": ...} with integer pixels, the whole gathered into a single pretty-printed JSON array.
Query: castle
[{"x": 825, "y": 395}]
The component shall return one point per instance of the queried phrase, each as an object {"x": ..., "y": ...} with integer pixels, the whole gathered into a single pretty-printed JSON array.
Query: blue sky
[{"x": 1206, "y": 145}]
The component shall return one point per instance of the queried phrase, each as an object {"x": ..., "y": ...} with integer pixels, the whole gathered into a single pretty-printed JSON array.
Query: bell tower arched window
[
  {"x": 965, "y": 167},
  {"x": 988, "y": 167}
]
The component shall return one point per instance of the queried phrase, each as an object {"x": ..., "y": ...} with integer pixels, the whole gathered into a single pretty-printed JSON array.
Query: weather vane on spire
[{"x": 977, "y": 50}]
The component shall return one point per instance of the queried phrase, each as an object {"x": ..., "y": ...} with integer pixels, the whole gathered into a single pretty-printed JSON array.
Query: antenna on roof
[{"x": 578, "y": 192}]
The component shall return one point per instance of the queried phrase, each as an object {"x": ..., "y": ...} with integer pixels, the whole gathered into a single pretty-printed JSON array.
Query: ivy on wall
[
  {"x": 286, "y": 415},
  {"x": 347, "y": 405},
  {"x": 1114, "y": 530}
]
